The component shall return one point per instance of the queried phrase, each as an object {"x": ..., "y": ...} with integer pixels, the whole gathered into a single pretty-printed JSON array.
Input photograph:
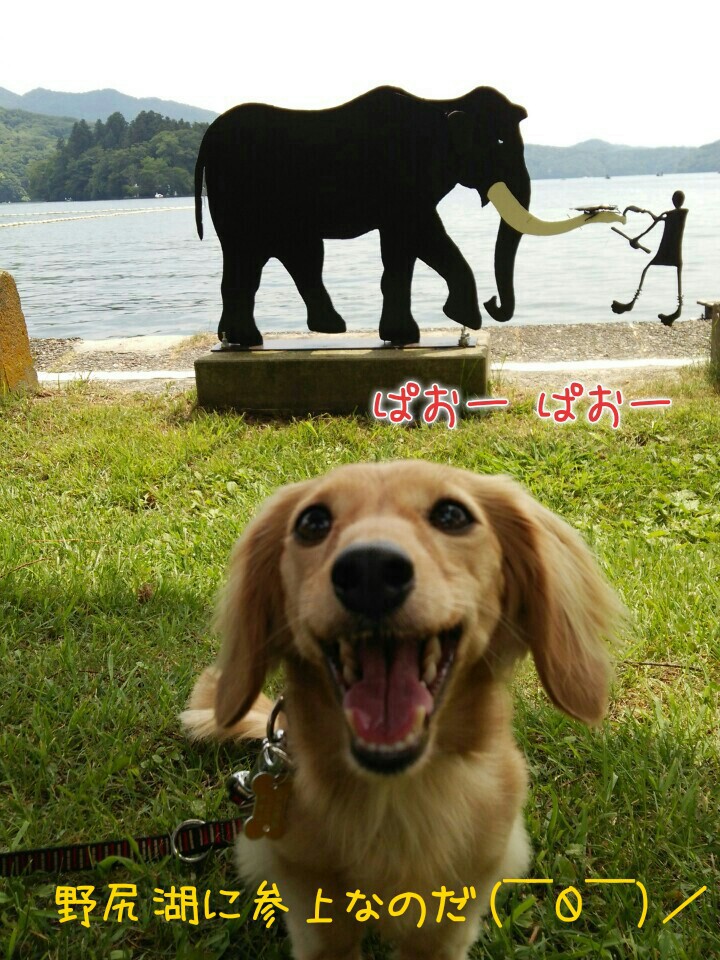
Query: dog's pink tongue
[{"x": 383, "y": 706}]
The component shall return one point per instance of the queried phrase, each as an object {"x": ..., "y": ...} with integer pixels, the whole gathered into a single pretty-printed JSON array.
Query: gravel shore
[{"x": 619, "y": 340}]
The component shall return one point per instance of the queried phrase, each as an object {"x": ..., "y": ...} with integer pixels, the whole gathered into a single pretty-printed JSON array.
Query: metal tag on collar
[{"x": 272, "y": 792}]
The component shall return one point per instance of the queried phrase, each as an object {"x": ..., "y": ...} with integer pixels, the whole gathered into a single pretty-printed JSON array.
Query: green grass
[{"x": 117, "y": 515}]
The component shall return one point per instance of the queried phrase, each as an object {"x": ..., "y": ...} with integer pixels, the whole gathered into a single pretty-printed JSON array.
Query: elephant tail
[{"x": 199, "y": 171}]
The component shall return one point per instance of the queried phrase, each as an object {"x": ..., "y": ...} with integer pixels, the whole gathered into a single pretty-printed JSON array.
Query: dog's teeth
[
  {"x": 430, "y": 674},
  {"x": 432, "y": 653},
  {"x": 348, "y": 661},
  {"x": 350, "y": 717},
  {"x": 418, "y": 723}
]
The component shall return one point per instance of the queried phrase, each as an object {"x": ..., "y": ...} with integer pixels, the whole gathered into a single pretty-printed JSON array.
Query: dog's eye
[
  {"x": 313, "y": 524},
  {"x": 450, "y": 516}
]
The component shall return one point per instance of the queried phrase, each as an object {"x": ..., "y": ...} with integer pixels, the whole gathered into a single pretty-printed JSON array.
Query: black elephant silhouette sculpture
[{"x": 281, "y": 181}]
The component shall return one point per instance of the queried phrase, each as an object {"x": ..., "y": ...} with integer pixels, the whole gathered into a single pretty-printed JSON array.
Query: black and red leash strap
[{"x": 191, "y": 842}]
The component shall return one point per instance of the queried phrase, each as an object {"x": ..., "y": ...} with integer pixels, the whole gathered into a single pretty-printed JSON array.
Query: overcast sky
[{"x": 626, "y": 71}]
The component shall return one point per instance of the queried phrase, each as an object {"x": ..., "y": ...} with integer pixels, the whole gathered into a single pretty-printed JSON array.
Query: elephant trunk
[
  {"x": 506, "y": 245},
  {"x": 512, "y": 205}
]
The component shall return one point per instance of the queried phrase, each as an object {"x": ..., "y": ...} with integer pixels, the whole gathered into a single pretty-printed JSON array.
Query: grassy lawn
[{"x": 117, "y": 515}]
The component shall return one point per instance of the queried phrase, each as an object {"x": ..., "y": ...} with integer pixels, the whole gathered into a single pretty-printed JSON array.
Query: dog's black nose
[{"x": 372, "y": 578}]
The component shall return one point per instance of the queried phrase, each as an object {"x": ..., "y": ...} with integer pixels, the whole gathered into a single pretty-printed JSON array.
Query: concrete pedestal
[{"x": 306, "y": 376}]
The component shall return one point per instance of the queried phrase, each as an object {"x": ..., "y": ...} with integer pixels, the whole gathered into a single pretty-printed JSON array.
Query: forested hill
[
  {"x": 99, "y": 104},
  {"x": 116, "y": 159},
  {"x": 51, "y": 158},
  {"x": 25, "y": 137},
  {"x": 596, "y": 158}
]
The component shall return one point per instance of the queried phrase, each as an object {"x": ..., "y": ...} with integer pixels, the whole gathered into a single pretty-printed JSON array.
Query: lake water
[{"x": 128, "y": 268}]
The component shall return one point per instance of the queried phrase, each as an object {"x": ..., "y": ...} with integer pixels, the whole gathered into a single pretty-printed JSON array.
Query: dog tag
[{"x": 272, "y": 793}]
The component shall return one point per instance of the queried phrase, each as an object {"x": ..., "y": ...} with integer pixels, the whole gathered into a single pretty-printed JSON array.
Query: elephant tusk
[{"x": 517, "y": 217}]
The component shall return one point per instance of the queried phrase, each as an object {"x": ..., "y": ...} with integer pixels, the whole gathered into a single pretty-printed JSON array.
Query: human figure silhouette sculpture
[{"x": 669, "y": 253}]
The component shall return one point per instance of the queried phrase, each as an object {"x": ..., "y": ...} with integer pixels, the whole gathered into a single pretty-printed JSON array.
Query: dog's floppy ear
[
  {"x": 556, "y": 600},
  {"x": 251, "y": 617}
]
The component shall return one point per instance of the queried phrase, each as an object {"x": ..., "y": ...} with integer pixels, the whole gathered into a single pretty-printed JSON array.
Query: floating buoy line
[{"x": 100, "y": 214}]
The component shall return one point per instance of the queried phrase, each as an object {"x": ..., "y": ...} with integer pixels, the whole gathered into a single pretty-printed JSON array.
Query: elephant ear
[{"x": 460, "y": 126}]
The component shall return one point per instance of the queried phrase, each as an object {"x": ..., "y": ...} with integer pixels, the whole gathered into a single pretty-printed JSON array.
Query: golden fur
[{"x": 518, "y": 579}]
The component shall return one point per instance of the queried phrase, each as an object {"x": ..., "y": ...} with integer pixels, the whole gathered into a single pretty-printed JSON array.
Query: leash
[
  {"x": 261, "y": 794},
  {"x": 191, "y": 841}
]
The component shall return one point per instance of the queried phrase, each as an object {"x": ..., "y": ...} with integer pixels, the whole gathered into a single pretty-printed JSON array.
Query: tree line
[{"x": 114, "y": 160}]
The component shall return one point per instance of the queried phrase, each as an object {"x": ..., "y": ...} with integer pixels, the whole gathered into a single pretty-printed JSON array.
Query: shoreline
[{"x": 551, "y": 343}]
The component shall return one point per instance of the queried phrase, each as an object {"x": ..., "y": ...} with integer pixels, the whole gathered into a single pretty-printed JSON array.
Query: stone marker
[
  {"x": 16, "y": 365},
  {"x": 313, "y": 379}
]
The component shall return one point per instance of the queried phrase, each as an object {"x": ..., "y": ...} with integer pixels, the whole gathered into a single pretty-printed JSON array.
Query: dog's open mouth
[{"x": 389, "y": 687}]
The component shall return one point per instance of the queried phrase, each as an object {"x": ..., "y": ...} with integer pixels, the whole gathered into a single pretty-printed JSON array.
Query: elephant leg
[
  {"x": 438, "y": 251},
  {"x": 397, "y": 324},
  {"x": 303, "y": 259},
  {"x": 242, "y": 269}
]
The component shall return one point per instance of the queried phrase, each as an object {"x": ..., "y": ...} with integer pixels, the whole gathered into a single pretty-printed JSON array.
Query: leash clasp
[
  {"x": 263, "y": 792},
  {"x": 274, "y": 756}
]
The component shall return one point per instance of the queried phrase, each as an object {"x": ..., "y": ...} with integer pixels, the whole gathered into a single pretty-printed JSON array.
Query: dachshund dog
[{"x": 397, "y": 597}]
